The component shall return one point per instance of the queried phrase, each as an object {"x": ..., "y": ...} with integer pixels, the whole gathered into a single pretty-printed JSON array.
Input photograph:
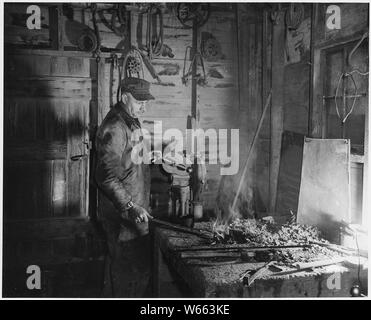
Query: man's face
[{"x": 136, "y": 107}]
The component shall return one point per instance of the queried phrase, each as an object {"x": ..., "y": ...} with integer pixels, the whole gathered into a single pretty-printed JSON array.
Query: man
[{"x": 124, "y": 194}]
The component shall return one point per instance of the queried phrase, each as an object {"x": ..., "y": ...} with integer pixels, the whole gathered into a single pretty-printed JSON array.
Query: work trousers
[{"x": 127, "y": 266}]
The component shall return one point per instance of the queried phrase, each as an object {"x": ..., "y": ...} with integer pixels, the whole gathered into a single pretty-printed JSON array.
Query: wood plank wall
[
  {"x": 232, "y": 98},
  {"x": 217, "y": 102},
  {"x": 251, "y": 104}
]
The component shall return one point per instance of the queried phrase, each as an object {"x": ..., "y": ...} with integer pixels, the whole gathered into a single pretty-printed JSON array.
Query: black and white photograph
[{"x": 185, "y": 150}]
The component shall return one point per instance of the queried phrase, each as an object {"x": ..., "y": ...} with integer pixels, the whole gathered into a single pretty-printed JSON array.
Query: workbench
[{"x": 170, "y": 271}]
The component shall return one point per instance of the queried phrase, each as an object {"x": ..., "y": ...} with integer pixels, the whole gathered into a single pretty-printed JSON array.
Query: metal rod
[
  {"x": 209, "y": 254},
  {"x": 345, "y": 82},
  {"x": 251, "y": 149},
  {"x": 342, "y": 249},
  {"x": 243, "y": 247},
  {"x": 181, "y": 229}
]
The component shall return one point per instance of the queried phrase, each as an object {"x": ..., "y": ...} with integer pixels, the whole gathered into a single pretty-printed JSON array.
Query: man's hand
[{"x": 138, "y": 214}]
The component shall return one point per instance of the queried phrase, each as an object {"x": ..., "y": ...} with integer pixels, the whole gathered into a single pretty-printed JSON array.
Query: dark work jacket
[{"x": 118, "y": 178}]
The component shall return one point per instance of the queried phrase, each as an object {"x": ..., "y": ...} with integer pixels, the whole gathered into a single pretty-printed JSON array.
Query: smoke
[{"x": 224, "y": 213}]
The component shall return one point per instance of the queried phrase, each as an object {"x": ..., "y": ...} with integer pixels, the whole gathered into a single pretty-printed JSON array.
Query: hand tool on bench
[
  {"x": 317, "y": 264},
  {"x": 310, "y": 265},
  {"x": 257, "y": 274}
]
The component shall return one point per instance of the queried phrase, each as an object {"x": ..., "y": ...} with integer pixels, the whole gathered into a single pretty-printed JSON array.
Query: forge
[{"x": 213, "y": 268}]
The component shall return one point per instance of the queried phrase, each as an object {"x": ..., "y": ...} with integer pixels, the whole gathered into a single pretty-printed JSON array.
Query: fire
[
  {"x": 220, "y": 230},
  {"x": 221, "y": 225}
]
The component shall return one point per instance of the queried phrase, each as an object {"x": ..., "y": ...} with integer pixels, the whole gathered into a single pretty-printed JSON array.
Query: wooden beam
[
  {"x": 311, "y": 74},
  {"x": 17, "y": 149},
  {"x": 93, "y": 126},
  {"x": 52, "y": 87},
  {"x": 101, "y": 90},
  {"x": 278, "y": 60},
  {"x": 366, "y": 198},
  {"x": 194, "y": 70},
  {"x": 44, "y": 229},
  {"x": 56, "y": 27},
  {"x": 239, "y": 64},
  {"x": 266, "y": 87}
]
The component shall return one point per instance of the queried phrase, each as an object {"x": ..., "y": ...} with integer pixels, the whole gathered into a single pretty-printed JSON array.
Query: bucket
[{"x": 197, "y": 210}]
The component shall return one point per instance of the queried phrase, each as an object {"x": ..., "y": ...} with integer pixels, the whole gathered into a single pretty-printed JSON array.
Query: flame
[{"x": 221, "y": 225}]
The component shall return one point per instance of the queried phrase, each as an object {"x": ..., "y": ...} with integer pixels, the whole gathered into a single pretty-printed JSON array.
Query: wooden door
[
  {"x": 46, "y": 155},
  {"x": 46, "y": 142}
]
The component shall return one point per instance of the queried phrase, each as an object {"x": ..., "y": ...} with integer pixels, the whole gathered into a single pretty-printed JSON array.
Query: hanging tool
[
  {"x": 154, "y": 41},
  {"x": 211, "y": 49},
  {"x": 349, "y": 60},
  {"x": 294, "y": 16},
  {"x": 349, "y": 74},
  {"x": 154, "y": 34},
  {"x": 201, "y": 79},
  {"x": 345, "y": 116},
  {"x": 275, "y": 10},
  {"x": 187, "y": 13},
  {"x": 152, "y": 71},
  {"x": 96, "y": 31},
  {"x": 114, "y": 65},
  {"x": 87, "y": 41},
  {"x": 119, "y": 21}
]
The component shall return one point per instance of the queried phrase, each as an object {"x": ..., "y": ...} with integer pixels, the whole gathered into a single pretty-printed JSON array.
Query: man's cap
[{"x": 139, "y": 88}]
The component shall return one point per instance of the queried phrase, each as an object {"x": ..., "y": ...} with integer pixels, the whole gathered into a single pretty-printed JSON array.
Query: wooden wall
[
  {"x": 231, "y": 99},
  {"x": 218, "y": 102}
]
